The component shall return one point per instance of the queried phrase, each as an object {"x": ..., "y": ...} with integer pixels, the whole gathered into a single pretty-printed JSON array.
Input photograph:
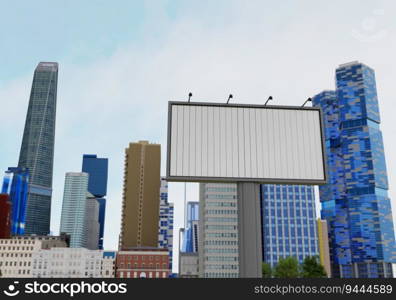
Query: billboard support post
[{"x": 249, "y": 230}]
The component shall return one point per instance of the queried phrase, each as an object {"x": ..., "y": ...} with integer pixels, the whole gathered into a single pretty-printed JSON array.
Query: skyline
[{"x": 163, "y": 57}]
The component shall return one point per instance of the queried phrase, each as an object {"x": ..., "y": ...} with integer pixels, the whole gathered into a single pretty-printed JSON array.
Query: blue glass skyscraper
[
  {"x": 97, "y": 168},
  {"x": 355, "y": 201},
  {"x": 288, "y": 222},
  {"x": 37, "y": 149},
  {"x": 190, "y": 240},
  {"x": 16, "y": 185}
]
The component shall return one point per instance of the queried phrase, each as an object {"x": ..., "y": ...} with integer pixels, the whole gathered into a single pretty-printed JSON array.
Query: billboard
[{"x": 236, "y": 142}]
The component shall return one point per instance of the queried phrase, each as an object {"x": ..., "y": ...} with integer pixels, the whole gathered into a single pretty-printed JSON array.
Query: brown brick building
[{"x": 143, "y": 263}]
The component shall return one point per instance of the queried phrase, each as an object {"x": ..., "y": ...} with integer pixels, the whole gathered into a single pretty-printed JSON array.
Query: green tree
[
  {"x": 266, "y": 270},
  {"x": 287, "y": 268},
  {"x": 311, "y": 268}
]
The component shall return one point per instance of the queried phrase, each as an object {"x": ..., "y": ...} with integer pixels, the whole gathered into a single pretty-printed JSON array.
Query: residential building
[
  {"x": 16, "y": 253},
  {"x": 323, "y": 242},
  {"x": 5, "y": 216},
  {"x": 143, "y": 263},
  {"x": 74, "y": 208},
  {"x": 97, "y": 168},
  {"x": 73, "y": 263},
  {"x": 108, "y": 264},
  {"x": 37, "y": 149},
  {"x": 140, "y": 205},
  {"x": 288, "y": 222},
  {"x": 16, "y": 184},
  {"x": 165, "y": 235},
  {"x": 218, "y": 231},
  {"x": 355, "y": 202}
]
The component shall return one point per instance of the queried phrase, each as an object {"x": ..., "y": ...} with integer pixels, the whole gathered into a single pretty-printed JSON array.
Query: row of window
[{"x": 220, "y": 212}]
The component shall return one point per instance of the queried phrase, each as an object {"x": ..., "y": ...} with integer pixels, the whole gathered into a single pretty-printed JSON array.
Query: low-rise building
[
  {"x": 188, "y": 264},
  {"x": 143, "y": 263},
  {"x": 73, "y": 263},
  {"x": 17, "y": 252}
]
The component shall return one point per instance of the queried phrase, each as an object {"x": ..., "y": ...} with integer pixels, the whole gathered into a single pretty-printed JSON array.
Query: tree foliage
[
  {"x": 311, "y": 268},
  {"x": 287, "y": 268},
  {"x": 266, "y": 270}
]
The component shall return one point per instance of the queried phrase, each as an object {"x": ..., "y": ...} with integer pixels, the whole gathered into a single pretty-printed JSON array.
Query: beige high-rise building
[{"x": 140, "y": 206}]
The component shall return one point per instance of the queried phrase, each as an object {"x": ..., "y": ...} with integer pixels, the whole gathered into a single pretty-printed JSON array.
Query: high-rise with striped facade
[
  {"x": 288, "y": 222},
  {"x": 218, "y": 231}
]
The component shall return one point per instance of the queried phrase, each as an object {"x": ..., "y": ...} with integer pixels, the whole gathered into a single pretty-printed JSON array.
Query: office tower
[
  {"x": 323, "y": 242},
  {"x": 190, "y": 240},
  {"x": 5, "y": 216},
  {"x": 37, "y": 150},
  {"x": 16, "y": 184},
  {"x": 92, "y": 222},
  {"x": 355, "y": 202},
  {"x": 288, "y": 222},
  {"x": 97, "y": 168},
  {"x": 140, "y": 205},
  {"x": 165, "y": 234},
  {"x": 218, "y": 231},
  {"x": 74, "y": 209}
]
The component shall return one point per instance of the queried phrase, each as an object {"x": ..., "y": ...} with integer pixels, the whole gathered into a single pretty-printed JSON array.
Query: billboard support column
[{"x": 249, "y": 230}]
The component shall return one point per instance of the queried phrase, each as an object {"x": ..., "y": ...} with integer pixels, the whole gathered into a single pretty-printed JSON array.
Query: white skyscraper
[
  {"x": 73, "y": 218},
  {"x": 218, "y": 231}
]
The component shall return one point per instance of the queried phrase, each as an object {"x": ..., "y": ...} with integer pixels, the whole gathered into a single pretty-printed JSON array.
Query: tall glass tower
[
  {"x": 190, "y": 240},
  {"x": 37, "y": 150},
  {"x": 97, "y": 169},
  {"x": 289, "y": 222},
  {"x": 355, "y": 201}
]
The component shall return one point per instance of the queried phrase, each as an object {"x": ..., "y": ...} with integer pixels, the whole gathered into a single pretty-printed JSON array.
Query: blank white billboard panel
[{"x": 268, "y": 144}]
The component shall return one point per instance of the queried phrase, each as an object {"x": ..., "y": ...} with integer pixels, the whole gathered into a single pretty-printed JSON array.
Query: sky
[{"x": 120, "y": 62}]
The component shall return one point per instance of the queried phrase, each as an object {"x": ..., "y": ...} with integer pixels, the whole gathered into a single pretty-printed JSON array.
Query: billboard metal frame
[{"x": 241, "y": 179}]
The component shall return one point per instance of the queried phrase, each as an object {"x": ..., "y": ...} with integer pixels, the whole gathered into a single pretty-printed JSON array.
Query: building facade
[
  {"x": 355, "y": 202},
  {"x": 140, "y": 205},
  {"x": 97, "y": 168},
  {"x": 17, "y": 252},
  {"x": 37, "y": 149},
  {"x": 74, "y": 207},
  {"x": 165, "y": 234},
  {"x": 92, "y": 222},
  {"x": 188, "y": 265},
  {"x": 5, "y": 216},
  {"x": 143, "y": 263},
  {"x": 323, "y": 242},
  {"x": 16, "y": 185},
  {"x": 218, "y": 231},
  {"x": 288, "y": 222},
  {"x": 73, "y": 263}
]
